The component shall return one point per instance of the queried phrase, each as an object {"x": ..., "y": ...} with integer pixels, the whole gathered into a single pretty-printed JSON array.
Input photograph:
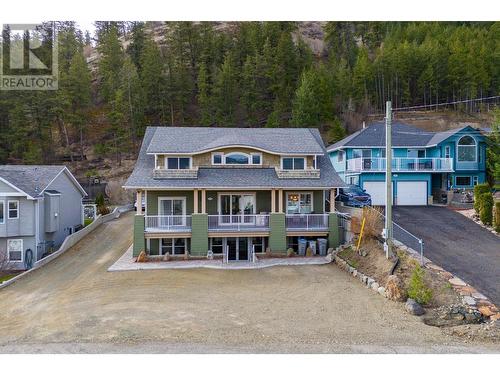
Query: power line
[{"x": 448, "y": 103}]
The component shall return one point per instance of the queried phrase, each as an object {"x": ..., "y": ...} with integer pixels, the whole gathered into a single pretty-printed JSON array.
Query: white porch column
[
  {"x": 273, "y": 202},
  {"x": 139, "y": 202},
  {"x": 203, "y": 201},
  {"x": 280, "y": 201},
  {"x": 195, "y": 203},
  {"x": 333, "y": 194}
]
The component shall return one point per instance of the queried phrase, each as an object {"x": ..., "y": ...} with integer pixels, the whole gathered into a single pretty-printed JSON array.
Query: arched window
[
  {"x": 237, "y": 158},
  {"x": 466, "y": 149}
]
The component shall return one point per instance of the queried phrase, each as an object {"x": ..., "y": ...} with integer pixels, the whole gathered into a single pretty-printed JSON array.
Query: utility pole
[{"x": 388, "y": 179}]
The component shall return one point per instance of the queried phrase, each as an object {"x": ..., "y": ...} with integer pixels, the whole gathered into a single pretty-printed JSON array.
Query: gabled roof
[
  {"x": 32, "y": 180},
  {"x": 194, "y": 140},
  {"x": 142, "y": 175},
  {"x": 403, "y": 135}
]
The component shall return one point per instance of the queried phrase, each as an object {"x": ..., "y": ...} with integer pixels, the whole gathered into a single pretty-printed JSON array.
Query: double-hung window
[
  {"x": 173, "y": 246},
  {"x": 293, "y": 163},
  {"x": 178, "y": 163},
  {"x": 340, "y": 156},
  {"x": 13, "y": 208},
  {"x": 15, "y": 250}
]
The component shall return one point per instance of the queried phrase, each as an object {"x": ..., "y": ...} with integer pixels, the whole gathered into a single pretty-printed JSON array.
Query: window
[
  {"x": 299, "y": 203},
  {"x": 174, "y": 246},
  {"x": 353, "y": 180},
  {"x": 447, "y": 152},
  {"x": 259, "y": 244},
  {"x": 15, "y": 250},
  {"x": 178, "y": 163},
  {"x": 463, "y": 181},
  {"x": 415, "y": 153},
  {"x": 475, "y": 180},
  {"x": 361, "y": 153},
  {"x": 466, "y": 149},
  {"x": 256, "y": 158},
  {"x": 216, "y": 245},
  {"x": 217, "y": 158},
  {"x": 237, "y": 158},
  {"x": 340, "y": 156},
  {"x": 382, "y": 152},
  {"x": 13, "y": 209},
  {"x": 293, "y": 163},
  {"x": 2, "y": 213}
]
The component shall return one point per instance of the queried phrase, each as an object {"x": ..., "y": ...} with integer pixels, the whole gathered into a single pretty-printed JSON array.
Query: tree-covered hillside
[{"x": 247, "y": 74}]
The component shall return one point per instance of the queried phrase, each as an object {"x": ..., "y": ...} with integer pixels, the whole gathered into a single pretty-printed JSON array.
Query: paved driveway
[
  {"x": 74, "y": 305},
  {"x": 457, "y": 244}
]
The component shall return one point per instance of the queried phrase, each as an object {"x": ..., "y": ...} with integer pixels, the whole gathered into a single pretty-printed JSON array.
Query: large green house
[{"x": 232, "y": 191}]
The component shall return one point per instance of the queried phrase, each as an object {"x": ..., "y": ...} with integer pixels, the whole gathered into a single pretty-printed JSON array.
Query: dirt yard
[{"x": 74, "y": 305}]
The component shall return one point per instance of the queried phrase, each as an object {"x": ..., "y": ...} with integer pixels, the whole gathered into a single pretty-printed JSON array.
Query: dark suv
[{"x": 353, "y": 195}]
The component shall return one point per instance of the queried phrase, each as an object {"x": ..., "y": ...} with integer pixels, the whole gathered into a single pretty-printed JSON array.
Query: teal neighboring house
[
  {"x": 426, "y": 165},
  {"x": 232, "y": 191}
]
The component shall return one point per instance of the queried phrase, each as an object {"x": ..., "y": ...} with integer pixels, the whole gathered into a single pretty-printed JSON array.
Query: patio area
[{"x": 127, "y": 263}]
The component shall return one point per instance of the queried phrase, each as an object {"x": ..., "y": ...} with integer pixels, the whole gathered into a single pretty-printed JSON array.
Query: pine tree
[
  {"x": 153, "y": 83},
  {"x": 225, "y": 92},
  {"x": 111, "y": 61},
  {"x": 204, "y": 97}
]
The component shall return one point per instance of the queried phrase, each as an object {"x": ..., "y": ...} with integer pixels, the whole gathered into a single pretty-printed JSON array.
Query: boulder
[
  {"x": 414, "y": 308},
  {"x": 394, "y": 289},
  {"x": 469, "y": 301},
  {"x": 374, "y": 286},
  {"x": 166, "y": 257},
  {"x": 381, "y": 291},
  {"x": 142, "y": 257},
  {"x": 455, "y": 281}
]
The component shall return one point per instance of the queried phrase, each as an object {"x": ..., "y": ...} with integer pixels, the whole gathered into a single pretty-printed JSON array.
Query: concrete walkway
[{"x": 127, "y": 263}]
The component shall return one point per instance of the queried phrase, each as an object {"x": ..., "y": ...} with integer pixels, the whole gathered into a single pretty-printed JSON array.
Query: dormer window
[
  {"x": 293, "y": 163},
  {"x": 178, "y": 163},
  {"x": 466, "y": 149},
  {"x": 236, "y": 158}
]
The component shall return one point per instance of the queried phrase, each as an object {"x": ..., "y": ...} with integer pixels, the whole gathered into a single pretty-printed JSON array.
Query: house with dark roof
[
  {"x": 231, "y": 192},
  {"x": 39, "y": 206},
  {"x": 426, "y": 165}
]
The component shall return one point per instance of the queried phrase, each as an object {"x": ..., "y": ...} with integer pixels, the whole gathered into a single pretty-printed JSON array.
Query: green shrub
[
  {"x": 417, "y": 289},
  {"x": 478, "y": 191},
  {"x": 99, "y": 199},
  {"x": 486, "y": 208},
  {"x": 497, "y": 217}
]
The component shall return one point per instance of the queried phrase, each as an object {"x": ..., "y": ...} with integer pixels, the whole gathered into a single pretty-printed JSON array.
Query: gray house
[{"x": 39, "y": 206}]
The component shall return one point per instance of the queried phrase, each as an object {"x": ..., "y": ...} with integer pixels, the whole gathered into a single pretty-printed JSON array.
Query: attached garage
[
  {"x": 376, "y": 189},
  {"x": 411, "y": 193},
  {"x": 408, "y": 193}
]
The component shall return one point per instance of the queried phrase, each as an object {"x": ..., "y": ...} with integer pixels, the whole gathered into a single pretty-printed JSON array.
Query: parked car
[{"x": 353, "y": 195}]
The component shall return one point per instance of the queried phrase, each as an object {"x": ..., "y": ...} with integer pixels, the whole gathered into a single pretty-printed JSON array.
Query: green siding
[
  {"x": 277, "y": 236},
  {"x": 152, "y": 201},
  {"x": 333, "y": 231},
  {"x": 199, "y": 234},
  {"x": 139, "y": 241},
  {"x": 154, "y": 246}
]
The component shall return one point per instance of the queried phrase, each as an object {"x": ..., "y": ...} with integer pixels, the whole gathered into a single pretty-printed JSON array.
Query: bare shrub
[
  {"x": 374, "y": 222},
  {"x": 117, "y": 194}
]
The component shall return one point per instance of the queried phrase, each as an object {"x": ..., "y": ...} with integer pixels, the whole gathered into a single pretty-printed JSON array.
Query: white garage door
[
  {"x": 412, "y": 193},
  {"x": 376, "y": 189}
]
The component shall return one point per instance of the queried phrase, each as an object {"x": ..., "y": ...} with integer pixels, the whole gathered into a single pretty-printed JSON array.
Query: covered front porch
[{"x": 234, "y": 211}]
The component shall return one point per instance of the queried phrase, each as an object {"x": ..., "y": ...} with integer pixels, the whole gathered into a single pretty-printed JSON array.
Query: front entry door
[{"x": 237, "y": 248}]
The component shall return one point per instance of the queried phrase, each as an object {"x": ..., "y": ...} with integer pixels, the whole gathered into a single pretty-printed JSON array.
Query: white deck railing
[
  {"x": 168, "y": 223},
  {"x": 306, "y": 222},
  {"x": 401, "y": 164},
  {"x": 238, "y": 222}
]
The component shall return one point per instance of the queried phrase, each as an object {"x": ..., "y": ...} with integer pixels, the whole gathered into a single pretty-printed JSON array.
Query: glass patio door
[
  {"x": 235, "y": 207},
  {"x": 172, "y": 211},
  {"x": 237, "y": 248}
]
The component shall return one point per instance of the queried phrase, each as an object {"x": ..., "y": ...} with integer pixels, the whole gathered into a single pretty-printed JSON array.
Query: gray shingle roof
[
  {"x": 142, "y": 176},
  {"x": 403, "y": 135},
  {"x": 32, "y": 179},
  {"x": 198, "y": 139}
]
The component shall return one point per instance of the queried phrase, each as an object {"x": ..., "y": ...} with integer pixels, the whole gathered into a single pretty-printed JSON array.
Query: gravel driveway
[
  {"x": 74, "y": 305},
  {"x": 457, "y": 244}
]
